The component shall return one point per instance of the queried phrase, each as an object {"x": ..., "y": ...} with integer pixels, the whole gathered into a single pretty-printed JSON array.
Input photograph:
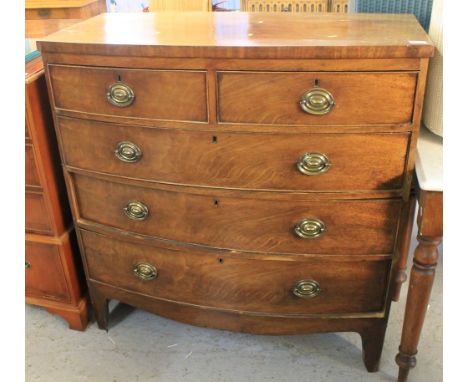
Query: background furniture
[
  {"x": 63, "y": 9},
  {"x": 180, "y": 5},
  {"x": 308, "y": 6},
  {"x": 54, "y": 276},
  {"x": 430, "y": 231},
  {"x": 250, "y": 182}
]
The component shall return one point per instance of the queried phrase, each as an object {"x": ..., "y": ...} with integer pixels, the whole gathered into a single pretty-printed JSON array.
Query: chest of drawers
[
  {"x": 228, "y": 173},
  {"x": 53, "y": 272}
]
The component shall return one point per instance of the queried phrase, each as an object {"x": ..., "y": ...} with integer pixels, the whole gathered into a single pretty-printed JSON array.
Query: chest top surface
[{"x": 244, "y": 35}]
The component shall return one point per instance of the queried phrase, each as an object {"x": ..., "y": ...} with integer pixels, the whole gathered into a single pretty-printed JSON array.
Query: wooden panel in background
[
  {"x": 37, "y": 217},
  {"x": 60, "y": 9},
  {"x": 32, "y": 177},
  {"x": 44, "y": 272}
]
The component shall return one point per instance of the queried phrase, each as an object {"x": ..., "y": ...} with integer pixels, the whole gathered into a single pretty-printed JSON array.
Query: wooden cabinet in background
[
  {"x": 54, "y": 278},
  {"x": 60, "y": 9}
]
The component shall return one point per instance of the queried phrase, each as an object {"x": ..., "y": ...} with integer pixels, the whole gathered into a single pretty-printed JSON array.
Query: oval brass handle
[
  {"x": 120, "y": 95},
  {"x": 145, "y": 271},
  {"x": 306, "y": 289},
  {"x": 317, "y": 101},
  {"x": 313, "y": 164},
  {"x": 27, "y": 264},
  {"x": 128, "y": 152},
  {"x": 136, "y": 210},
  {"x": 310, "y": 228}
]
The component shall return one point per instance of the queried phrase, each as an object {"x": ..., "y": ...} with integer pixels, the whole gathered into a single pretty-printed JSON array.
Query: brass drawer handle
[
  {"x": 313, "y": 164},
  {"x": 310, "y": 228},
  {"x": 27, "y": 264},
  {"x": 306, "y": 289},
  {"x": 145, "y": 271},
  {"x": 136, "y": 210},
  {"x": 317, "y": 101},
  {"x": 128, "y": 152},
  {"x": 120, "y": 95}
]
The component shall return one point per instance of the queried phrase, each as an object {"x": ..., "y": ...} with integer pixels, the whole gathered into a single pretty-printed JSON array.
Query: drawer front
[
  {"x": 238, "y": 282},
  {"x": 44, "y": 272},
  {"x": 31, "y": 175},
  {"x": 242, "y": 220},
  {"x": 238, "y": 160},
  {"x": 357, "y": 98},
  {"x": 37, "y": 218},
  {"x": 151, "y": 94}
]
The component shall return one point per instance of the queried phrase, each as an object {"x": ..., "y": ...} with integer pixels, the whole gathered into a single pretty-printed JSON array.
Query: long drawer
[
  {"x": 283, "y": 223},
  {"x": 137, "y": 93},
  {"x": 327, "y": 98},
  {"x": 312, "y": 162},
  {"x": 238, "y": 282}
]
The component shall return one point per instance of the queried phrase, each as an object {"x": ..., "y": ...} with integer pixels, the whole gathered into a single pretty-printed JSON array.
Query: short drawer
[
  {"x": 347, "y": 98},
  {"x": 238, "y": 282},
  {"x": 37, "y": 218},
  {"x": 270, "y": 222},
  {"x": 307, "y": 162},
  {"x": 44, "y": 272},
  {"x": 132, "y": 93},
  {"x": 31, "y": 174}
]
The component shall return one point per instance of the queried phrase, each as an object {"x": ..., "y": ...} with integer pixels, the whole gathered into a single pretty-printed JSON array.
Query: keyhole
[
  {"x": 214, "y": 139},
  {"x": 317, "y": 82},
  {"x": 119, "y": 78},
  {"x": 216, "y": 202},
  {"x": 220, "y": 261}
]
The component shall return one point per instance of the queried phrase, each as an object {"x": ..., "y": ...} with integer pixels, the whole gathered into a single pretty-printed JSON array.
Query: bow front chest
[{"x": 242, "y": 171}]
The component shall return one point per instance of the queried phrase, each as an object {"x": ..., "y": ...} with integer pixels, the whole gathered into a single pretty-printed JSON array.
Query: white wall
[
  {"x": 229, "y": 4},
  {"x": 127, "y": 5}
]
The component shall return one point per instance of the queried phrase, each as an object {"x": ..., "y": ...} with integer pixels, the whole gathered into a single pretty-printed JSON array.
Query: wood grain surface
[
  {"x": 31, "y": 175},
  {"x": 44, "y": 259},
  {"x": 237, "y": 160},
  {"x": 230, "y": 282},
  {"x": 245, "y": 221},
  {"x": 273, "y": 98},
  {"x": 159, "y": 94},
  {"x": 70, "y": 9},
  {"x": 245, "y": 35},
  {"x": 37, "y": 219}
]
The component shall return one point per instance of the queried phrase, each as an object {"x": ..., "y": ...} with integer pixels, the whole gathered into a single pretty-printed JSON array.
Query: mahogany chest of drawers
[{"x": 228, "y": 173}]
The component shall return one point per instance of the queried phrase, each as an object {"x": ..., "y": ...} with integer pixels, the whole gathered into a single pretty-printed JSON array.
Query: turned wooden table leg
[{"x": 421, "y": 279}]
